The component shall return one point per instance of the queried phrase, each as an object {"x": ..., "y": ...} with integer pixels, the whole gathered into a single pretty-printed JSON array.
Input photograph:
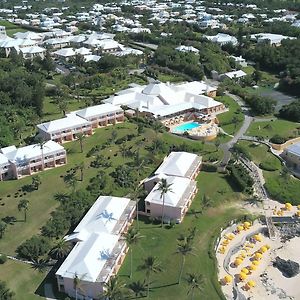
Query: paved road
[{"x": 227, "y": 146}]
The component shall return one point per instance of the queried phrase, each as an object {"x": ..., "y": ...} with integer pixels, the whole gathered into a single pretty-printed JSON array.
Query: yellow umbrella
[
  {"x": 255, "y": 262},
  {"x": 240, "y": 257},
  {"x": 288, "y": 204},
  {"x": 258, "y": 255},
  {"x": 253, "y": 267},
  {"x": 258, "y": 237},
  {"x": 263, "y": 249},
  {"x": 227, "y": 279},
  {"x": 251, "y": 283},
  {"x": 225, "y": 243},
  {"x": 242, "y": 254},
  {"x": 240, "y": 228},
  {"x": 245, "y": 270},
  {"x": 247, "y": 224},
  {"x": 298, "y": 213},
  {"x": 267, "y": 246},
  {"x": 298, "y": 206},
  {"x": 237, "y": 262},
  {"x": 231, "y": 236},
  {"x": 242, "y": 276}
]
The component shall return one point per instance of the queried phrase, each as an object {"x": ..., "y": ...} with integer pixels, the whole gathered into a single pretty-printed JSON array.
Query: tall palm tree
[
  {"x": 114, "y": 289},
  {"x": 135, "y": 195},
  {"x": 24, "y": 205},
  {"x": 195, "y": 282},
  {"x": 77, "y": 284},
  {"x": 80, "y": 137},
  {"x": 81, "y": 167},
  {"x": 40, "y": 142},
  {"x": 138, "y": 287},
  {"x": 163, "y": 187},
  {"x": 61, "y": 249},
  {"x": 36, "y": 181},
  {"x": 150, "y": 265},
  {"x": 70, "y": 180},
  {"x": 132, "y": 237},
  {"x": 184, "y": 249}
]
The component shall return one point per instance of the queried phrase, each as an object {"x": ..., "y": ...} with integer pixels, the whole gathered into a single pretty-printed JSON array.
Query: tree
[
  {"x": 135, "y": 195},
  {"x": 80, "y": 137},
  {"x": 164, "y": 187},
  {"x": 70, "y": 180},
  {"x": 24, "y": 205},
  {"x": 62, "y": 106},
  {"x": 36, "y": 182},
  {"x": 139, "y": 288},
  {"x": 150, "y": 265},
  {"x": 61, "y": 249},
  {"x": 183, "y": 248},
  {"x": 40, "y": 142},
  {"x": 77, "y": 284},
  {"x": 132, "y": 237},
  {"x": 195, "y": 282},
  {"x": 33, "y": 248},
  {"x": 114, "y": 289},
  {"x": 5, "y": 292},
  {"x": 206, "y": 201},
  {"x": 3, "y": 227},
  {"x": 81, "y": 168}
]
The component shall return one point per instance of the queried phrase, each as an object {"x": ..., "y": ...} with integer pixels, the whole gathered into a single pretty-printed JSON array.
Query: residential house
[
  {"x": 65, "y": 129},
  {"x": 292, "y": 156},
  {"x": 270, "y": 38},
  {"x": 180, "y": 170},
  {"x": 235, "y": 75},
  {"x": 187, "y": 49},
  {"x": 99, "y": 247},
  {"x": 32, "y": 52},
  {"x": 222, "y": 39},
  {"x": 18, "y": 162}
]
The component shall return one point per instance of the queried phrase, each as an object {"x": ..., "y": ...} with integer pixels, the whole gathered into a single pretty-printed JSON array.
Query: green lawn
[
  {"x": 162, "y": 243},
  {"x": 169, "y": 78},
  {"x": 267, "y": 129},
  {"x": 232, "y": 120}
]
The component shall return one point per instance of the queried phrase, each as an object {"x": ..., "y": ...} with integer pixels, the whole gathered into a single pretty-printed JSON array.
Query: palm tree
[
  {"x": 3, "y": 226},
  {"x": 36, "y": 181},
  {"x": 80, "y": 137},
  {"x": 61, "y": 197},
  {"x": 70, "y": 180},
  {"x": 195, "y": 282},
  {"x": 40, "y": 142},
  {"x": 23, "y": 205},
  {"x": 150, "y": 265},
  {"x": 135, "y": 195},
  {"x": 138, "y": 288},
  {"x": 164, "y": 187},
  {"x": 61, "y": 249},
  {"x": 81, "y": 168},
  {"x": 132, "y": 237},
  {"x": 77, "y": 284},
  {"x": 184, "y": 248},
  {"x": 114, "y": 289},
  {"x": 62, "y": 106}
]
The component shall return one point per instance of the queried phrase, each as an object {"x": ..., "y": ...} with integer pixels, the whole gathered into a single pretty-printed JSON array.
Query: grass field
[
  {"x": 232, "y": 120},
  {"x": 267, "y": 129}
]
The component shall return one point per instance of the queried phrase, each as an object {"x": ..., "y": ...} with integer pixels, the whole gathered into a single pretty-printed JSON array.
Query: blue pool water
[{"x": 186, "y": 127}]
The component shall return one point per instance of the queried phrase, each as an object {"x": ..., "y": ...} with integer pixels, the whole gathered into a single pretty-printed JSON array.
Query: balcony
[
  {"x": 188, "y": 194},
  {"x": 125, "y": 218}
]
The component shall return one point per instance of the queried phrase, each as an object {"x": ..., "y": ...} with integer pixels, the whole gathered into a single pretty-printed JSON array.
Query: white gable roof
[
  {"x": 3, "y": 160},
  {"x": 178, "y": 164},
  {"x": 98, "y": 110}
]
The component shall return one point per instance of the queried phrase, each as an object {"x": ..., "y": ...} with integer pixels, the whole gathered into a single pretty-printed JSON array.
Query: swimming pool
[{"x": 186, "y": 127}]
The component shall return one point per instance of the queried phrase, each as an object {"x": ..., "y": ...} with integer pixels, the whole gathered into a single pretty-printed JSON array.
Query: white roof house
[
  {"x": 69, "y": 122},
  {"x": 179, "y": 164},
  {"x": 294, "y": 149},
  {"x": 3, "y": 160},
  {"x": 173, "y": 198},
  {"x": 235, "y": 74},
  {"x": 83, "y": 51},
  {"x": 187, "y": 49},
  {"x": 273, "y": 39},
  {"x": 222, "y": 39},
  {"x": 65, "y": 52},
  {"x": 98, "y": 110},
  {"x": 28, "y": 35},
  {"x": 92, "y": 57},
  {"x": 96, "y": 237},
  {"x": 33, "y": 50},
  {"x": 22, "y": 155}
]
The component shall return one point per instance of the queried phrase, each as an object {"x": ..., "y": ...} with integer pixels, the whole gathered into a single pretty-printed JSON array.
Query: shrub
[
  {"x": 277, "y": 139},
  {"x": 209, "y": 167},
  {"x": 268, "y": 165},
  {"x": 33, "y": 248},
  {"x": 3, "y": 259}
]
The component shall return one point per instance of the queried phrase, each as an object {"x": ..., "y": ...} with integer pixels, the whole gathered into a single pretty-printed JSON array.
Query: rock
[{"x": 288, "y": 268}]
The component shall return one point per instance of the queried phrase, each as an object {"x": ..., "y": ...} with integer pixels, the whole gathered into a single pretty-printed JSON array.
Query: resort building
[
  {"x": 270, "y": 38},
  {"x": 292, "y": 156},
  {"x": 65, "y": 129},
  {"x": 18, "y": 162},
  {"x": 102, "y": 115},
  {"x": 99, "y": 248},
  {"x": 180, "y": 169}
]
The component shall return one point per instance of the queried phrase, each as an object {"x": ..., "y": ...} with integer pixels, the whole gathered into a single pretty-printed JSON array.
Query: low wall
[{"x": 281, "y": 147}]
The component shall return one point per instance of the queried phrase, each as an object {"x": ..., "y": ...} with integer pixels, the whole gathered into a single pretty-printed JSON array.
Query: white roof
[
  {"x": 178, "y": 164},
  {"x": 178, "y": 187},
  {"x": 294, "y": 149},
  {"x": 91, "y": 57},
  {"x": 69, "y": 122},
  {"x": 23, "y": 154},
  {"x": 183, "y": 48},
  {"x": 235, "y": 74},
  {"x": 3, "y": 160},
  {"x": 34, "y": 49},
  {"x": 97, "y": 237},
  {"x": 98, "y": 110},
  {"x": 65, "y": 52},
  {"x": 155, "y": 89},
  {"x": 27, "y": 35},
  {"x": 83, "y": 51}
]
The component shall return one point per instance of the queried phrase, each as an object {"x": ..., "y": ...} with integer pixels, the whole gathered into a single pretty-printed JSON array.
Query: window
[{"x": 148, "y": 211}]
